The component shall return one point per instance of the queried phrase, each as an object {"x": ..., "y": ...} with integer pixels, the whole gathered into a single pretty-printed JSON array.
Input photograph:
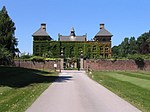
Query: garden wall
[
  {"x": 48, "y": 65},
  {"x": 91, "y": 64},
  {"x": 117, "y": 65}
]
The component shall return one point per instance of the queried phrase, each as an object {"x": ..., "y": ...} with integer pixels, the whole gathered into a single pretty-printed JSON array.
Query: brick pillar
[
  {"x": 81, "y": 64},
  {"x": 62, "y": 63}
]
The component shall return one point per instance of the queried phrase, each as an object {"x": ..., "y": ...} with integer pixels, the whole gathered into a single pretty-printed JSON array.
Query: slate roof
[
  {"x": 103, "y": 32},
  {"x": 41, "y": 32},
  {"x": 72, "y": 38}
]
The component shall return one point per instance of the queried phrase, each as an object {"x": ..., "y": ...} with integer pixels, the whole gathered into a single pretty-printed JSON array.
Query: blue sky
[{"x": 123, "y": 18}]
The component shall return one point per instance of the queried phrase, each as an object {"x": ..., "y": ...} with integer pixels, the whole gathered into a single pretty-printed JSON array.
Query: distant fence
[{"x": 117, "y": 65}]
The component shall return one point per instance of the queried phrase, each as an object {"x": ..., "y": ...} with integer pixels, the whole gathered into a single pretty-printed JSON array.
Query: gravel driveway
[{"x": 74, "y": 91}]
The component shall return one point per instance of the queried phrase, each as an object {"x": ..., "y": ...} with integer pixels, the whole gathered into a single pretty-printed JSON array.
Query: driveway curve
[{"x": 74, "y": 91}]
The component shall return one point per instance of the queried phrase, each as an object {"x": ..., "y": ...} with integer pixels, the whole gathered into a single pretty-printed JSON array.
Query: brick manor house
[{"x": 72, "y": 46}]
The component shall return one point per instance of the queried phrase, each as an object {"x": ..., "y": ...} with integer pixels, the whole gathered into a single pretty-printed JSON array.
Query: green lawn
[
  {"x": 132, "y": 86},
  {"x": 20, "y": 87}
]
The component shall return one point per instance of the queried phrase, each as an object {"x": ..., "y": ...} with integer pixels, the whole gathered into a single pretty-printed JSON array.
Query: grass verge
[
  {"x": 20, "y": 87},
  {"x": 136, "y": 95}
]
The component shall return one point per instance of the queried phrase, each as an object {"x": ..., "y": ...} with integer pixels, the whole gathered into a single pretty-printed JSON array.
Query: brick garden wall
[
  {"x": 117, "y": 65},
  {"x": 49, "y": 65},
  {"x": 92, "y": 64}
]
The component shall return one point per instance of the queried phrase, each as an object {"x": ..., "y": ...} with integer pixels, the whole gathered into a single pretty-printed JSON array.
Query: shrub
[
  {"x": 139, "y": 60},
  {"x": 37, "y": 58},
  {"x": 25, "y": 56}
]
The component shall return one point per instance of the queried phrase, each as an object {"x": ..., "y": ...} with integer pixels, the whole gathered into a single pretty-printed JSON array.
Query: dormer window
[{"x": 103, "y": 39}]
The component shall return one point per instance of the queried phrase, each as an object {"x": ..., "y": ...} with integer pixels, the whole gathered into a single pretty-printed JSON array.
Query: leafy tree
[
  {"x": 132, "y": 46},
  {"x": 7, "y": 32},
  {"x": 5, "y": 56},
  {"x": 115, "y": 50},
  {"x": 143, "y": 43},
  {"x": 124, "y": 47},
  {"x": 25, "y": 56}
]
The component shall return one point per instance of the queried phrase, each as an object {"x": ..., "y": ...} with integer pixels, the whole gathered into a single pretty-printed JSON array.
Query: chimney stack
[
  {"x": 101, "y": 25},
  {"x": 43, "y": 26}
]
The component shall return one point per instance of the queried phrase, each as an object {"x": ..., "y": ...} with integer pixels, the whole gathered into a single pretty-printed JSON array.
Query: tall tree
[
  {"x": 143, "y": 43},
  {"x": 7, "y": 32},
  {"x": 115, "y": 50},
  {"x": 132, "y": 45},
  {"x": 5, "y": 56},
  {"x": 124, "y": 47}
]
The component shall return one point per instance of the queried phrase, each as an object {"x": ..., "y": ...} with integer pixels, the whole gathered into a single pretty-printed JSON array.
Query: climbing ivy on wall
[{"x": 69, "y": 49}]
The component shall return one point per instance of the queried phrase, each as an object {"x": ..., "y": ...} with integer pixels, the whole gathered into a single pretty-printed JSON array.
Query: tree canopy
[
  {"x": 8, "y": 42},
  {"x": 7, "y": 32},
  {"x": 130, "y": 46},
  {"x": 143, "y": 43},
  {"x": 5, "y": 56}
]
